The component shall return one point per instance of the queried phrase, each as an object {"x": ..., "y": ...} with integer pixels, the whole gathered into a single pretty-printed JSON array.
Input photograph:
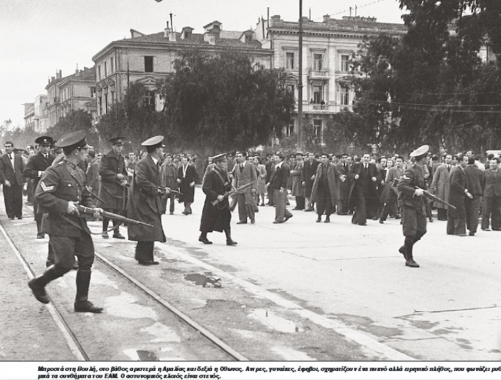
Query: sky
[{"x": 40, "y": 37}]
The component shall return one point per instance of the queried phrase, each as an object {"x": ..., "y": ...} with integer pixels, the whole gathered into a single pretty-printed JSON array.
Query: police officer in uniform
[
  {"x": 35, "y": 168},
  {"x": 411, "y": 191},
  {"x": 58, "y": 193},
  {"x": 112, "y": 190},
  {"x": 216, "y": 217}
]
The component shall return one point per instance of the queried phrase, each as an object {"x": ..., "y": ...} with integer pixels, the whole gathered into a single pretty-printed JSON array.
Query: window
[
  {"x": 317, "y": 130},
  {"x": 345, "y": 96},
  {"x": 345, "y": 62},
  {"x": 112, "y": 65},
  {"x": 99, "y": 73},
  {"x": 317, "y": 62},
  {"x": 291, "y": 88},
  {"x": 148, "y": 64},
  {"x": 100, "y": 102},
  {"x": 289, "y": 129},
  {"x": 289, "y": 58},
  {"x": 92, "y": 92},
  {"x": 112, "y": 97},
  {"x": 150, "y": 100},
  {"x": 105, "y": 103},
  {"x": 318, "y": 94},
  {"x": 105, "y": 69}
]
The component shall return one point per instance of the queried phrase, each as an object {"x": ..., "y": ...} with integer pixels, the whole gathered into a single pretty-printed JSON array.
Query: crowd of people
[{"x": 62, "y": 176}]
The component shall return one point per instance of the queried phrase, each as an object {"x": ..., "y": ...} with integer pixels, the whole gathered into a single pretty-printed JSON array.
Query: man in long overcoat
[
  {"x": 35, "y": 168},
  {"x": 216, "y": 217},
  {"x": 279, "y": 184},
  {"x": 169, "y": 179},
  {"x": 11, "y": 176},
  {"x": 325, "y": 187},
  {"x": 456, "y": 221},
  {"x": 475, "y": 183},
  {"x": 186, "y": 177},
  {"x": 297, "y": 189},
  {"x": 145, "y": 203},
  {"x": 309, "y": 170},
  {"x": 343, "y": 167},
  {"x": 112, "y": 190},
  {"x": 440, "y": 186},
  {"x": 363, "y": 192},
  {"x": 244, "y": 173},
  {"x": 492, "y": 196}
]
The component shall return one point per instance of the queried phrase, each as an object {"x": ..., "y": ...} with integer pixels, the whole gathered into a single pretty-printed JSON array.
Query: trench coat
[
  {"x": 145, "y": 203},
  {"x": 111, "y": 193},
  {"x": 333, "y": 179},
  {"x": 441, "y": 185},
  {"x": 215, "y": 218},
  {"x": 296, "y": 175}
]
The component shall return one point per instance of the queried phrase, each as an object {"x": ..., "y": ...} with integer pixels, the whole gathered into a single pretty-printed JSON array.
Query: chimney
[
  {"x": 275, "y": 19},
  {"x": 327, "y": 18},
  {"x": 167, "y": 30},
  {"x": 172, "y": 36},
  {"x": 60, "y": 74}
]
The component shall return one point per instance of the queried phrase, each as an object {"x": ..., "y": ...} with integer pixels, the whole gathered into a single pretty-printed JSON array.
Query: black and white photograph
[{"x": 288, "y": 189}]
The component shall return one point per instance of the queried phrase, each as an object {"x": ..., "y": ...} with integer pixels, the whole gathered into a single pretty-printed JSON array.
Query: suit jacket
[
  {"x": 144, "y": 202},
  {"x": 13, "y": 174},
  {"x": 457, "y": 194},
  {"x": 474, "y": 180},
  {"x": 364, "y": 181},
  {"x": 492, "y": 183},
  {"x": 111, "y": 192},
  {"x": 244, "y": 176},
  {"x": 280, "y": 177}
]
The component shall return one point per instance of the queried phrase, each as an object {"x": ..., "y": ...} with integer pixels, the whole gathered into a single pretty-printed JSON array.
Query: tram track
[{"x": 72, "y": 339}]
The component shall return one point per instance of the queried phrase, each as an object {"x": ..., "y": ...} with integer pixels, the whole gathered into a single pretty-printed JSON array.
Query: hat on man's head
[
  {"x": 119, "y": 140},
  {"x": 76, "y": 139},
  {"x": 219, "y": 157},
  {"x": 423, "y": 149},
  {"x": 153, "y": 141},
  {"x": 44, "y": 140}
]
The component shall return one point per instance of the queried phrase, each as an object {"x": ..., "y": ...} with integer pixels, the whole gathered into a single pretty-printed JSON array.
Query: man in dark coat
[
  {"x": 58, "y": 193},
  {"x": 270, "y": 169},
  {"x": 474, "y": 180},
  {"x": 309, "y": 171},
  {"x": 169, "y": 179},
  {"x": 11, "y": 176},
  {"x": 411, "y": 192},
  {"x": 145, "y": 203},
  {"x": 456, "y": 218},
  {"x": 492, "y": 196},
  {"x": 112, "y": 190},
  {"x": 244, "y": 173},
  {"x": 279, "y": 184},
  {"x": 216, "y": 217},
  {"x": 92, "y": 174},
  {"x": 35, "y": 168},
  {"x": 186, "y": 177},
  {"x": 364, "y": 190},
  {"x": 325, "y": 187},
  {"x": 343, "y": 167}
]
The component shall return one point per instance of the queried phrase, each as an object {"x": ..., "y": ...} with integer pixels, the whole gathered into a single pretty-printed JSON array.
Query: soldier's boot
[
  {"x": 229, "y": 240},
  {"x": 82, "y": 304},
  {"x": 37, "y": 285},
  {"x": 409, "y": 260}
]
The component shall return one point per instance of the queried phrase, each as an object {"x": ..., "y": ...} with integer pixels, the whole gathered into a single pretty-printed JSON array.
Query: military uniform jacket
[
  {"x": 110, "y": 191},
  {"x": 60, "y": 184},
  {"x": 33, "y": 170},
  {"x": 413, "y": 176},
  {"x": 144, "y": 202}
]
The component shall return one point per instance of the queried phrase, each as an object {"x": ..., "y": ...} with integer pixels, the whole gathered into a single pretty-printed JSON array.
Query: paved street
[{"x": 296, "y": 291}]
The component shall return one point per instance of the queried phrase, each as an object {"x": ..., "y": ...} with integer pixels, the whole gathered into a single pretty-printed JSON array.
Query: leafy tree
[
  {"x": 74, "y": 121},
  {"x": 225, "y": 101}
]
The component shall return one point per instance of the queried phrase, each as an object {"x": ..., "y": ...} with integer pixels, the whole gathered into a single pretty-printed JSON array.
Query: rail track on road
[{"x": 72, "y": 338}]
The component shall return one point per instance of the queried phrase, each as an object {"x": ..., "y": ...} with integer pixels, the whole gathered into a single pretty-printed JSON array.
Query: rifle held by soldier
[
  {"x": 231, "y": 192},
  {"x": 110, "y": 215},
  {"x": 429, "y": 195}
]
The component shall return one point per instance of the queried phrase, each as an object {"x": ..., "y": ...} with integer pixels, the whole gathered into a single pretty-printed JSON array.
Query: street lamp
[{"x": 300, "y": 81}]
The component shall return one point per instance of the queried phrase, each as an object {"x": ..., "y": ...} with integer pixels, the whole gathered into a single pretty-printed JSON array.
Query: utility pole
[{"x": 300, "y": 82}]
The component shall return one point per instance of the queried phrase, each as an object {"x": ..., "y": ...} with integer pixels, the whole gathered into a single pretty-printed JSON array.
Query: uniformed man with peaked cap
[
  {"x": 411, "y": 188},
  {"x": 216, "y": 217},
  {"x": 145, "y": 202},
  {"x": 35, "y": 168},
  {"x": 61, "y": 188},
  {"x": 112, "y": 188}
]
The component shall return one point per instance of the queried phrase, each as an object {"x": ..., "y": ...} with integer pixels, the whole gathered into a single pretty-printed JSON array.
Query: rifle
[
  {"x": 170, "y": 190},
  {"x": 231, "y": 192},
  {"x": 110, "y": 215},
  {"x": 94, "y": 195},
  {"x": 435, "y": 198}
]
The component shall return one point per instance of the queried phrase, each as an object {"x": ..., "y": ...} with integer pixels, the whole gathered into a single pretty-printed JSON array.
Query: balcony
[
  {"x": 323, "y": 108},
  {"x": 318, "y": 74}
]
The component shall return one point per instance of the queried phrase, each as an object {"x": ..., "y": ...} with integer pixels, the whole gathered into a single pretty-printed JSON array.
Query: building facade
[
  {"x": 71, "y": 93},
  {"x": 328, "y": 48},
  {"x": 148, "y": 58}
]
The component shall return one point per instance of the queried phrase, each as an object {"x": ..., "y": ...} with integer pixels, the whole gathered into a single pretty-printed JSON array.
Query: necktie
[{"x": 10, "y": 157}]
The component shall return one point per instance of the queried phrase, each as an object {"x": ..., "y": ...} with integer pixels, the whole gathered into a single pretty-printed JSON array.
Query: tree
[
  {"x": 76, "y": 120},
  {"x": 134, "y": 117},
  {"x": 225, "y": 101}
]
